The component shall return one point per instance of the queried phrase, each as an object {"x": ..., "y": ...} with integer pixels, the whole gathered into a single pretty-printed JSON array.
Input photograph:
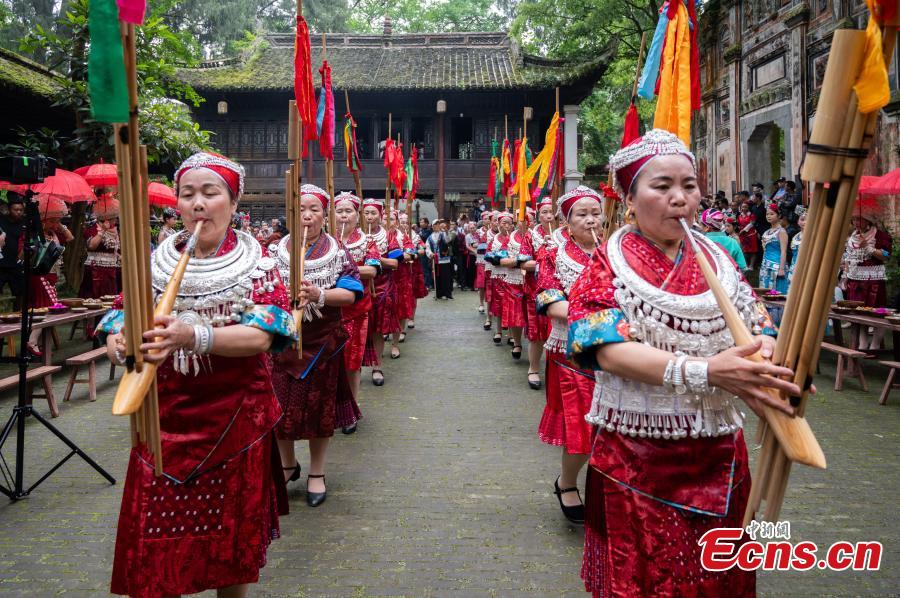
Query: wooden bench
[
  {"x": 42, "y": 373},
  {"x": 894, "y": 366},
  {"x": 89, "y": 359},
  {"x": 847, "y": 357}
]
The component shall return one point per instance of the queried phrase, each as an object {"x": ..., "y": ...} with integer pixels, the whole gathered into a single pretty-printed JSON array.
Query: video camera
[{"x": 26, "y": 170}]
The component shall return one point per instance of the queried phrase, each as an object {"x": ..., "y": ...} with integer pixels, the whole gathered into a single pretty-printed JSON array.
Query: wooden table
[
  {"x": 48, "y": 323},
  {"x": 857, "y": 320}
]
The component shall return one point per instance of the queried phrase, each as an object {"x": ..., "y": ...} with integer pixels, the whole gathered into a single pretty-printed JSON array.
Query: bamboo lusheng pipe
[
  {"x": 834, "y": 194},
  {"x": 134, "y": 384},
  {"x": 794, "y": 433}
]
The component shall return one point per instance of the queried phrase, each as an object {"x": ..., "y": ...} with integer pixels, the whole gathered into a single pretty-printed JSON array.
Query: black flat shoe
[
  {"x": 411, "y": 326},
  {"x": 488, "y": 326},
  {"x": 510, "y": 342},
  {"x": 575, "y": 513},
  {"x": 295, "y": 475},
  {"x": 535, "y": 385},
  {"x": 498, "y": 338},
  {"x": 348, "y": 429},
  {"x": 517, "y": 352},
  {"x": 378, "y": 381},
  {"x": 402, "y": 337},
  {"x": 314, "y": 499}
]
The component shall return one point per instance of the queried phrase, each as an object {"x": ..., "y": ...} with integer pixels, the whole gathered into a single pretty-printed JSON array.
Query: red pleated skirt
[
  {"x": 211, "y": 532},
  {"x": 419, "y": 288},
  {"x": 479, "y": 276},
  {"x": 383, "y": 318},
  {"x": 569, "y": 394},
  {"x": 871, "y": 292},
  {"x": 636, "y": 545},
  {"x": 537, "y": 328},
  {"x": 495, "y": 303},
  {"x": 488, "y": 288},
  {"x": 356, "y": 322},
  {"x": 316, "y": 405},
  {"x": 406, "y": 300},
  {"x": 98, "y": 281},
  {"x": 43, "y": 290},
  {"x": 512, "y": 314}
]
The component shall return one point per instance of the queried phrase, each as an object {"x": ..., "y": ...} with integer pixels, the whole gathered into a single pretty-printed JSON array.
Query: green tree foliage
[
  {"x": 415, "y": 16},
  {"x": 219, "y": 25},
  {"x": 578, "y": 29},
  {"x": 167, "y": 128}
]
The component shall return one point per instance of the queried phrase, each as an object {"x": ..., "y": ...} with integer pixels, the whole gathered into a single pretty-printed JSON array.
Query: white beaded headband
[{"x": 656, "y": 142}]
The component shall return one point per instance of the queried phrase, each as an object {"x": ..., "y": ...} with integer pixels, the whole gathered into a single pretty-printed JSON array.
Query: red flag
[
  {"x": 389, "y": 152},
  {"x": 492, "y": 180},
  {"x": 303, "y": 85},
  {"x": 398, "y": 170},
  {"x": 325, "y": 114},
  {"x": 695, "y": 57},
  {"x": 632, "y": 125}
]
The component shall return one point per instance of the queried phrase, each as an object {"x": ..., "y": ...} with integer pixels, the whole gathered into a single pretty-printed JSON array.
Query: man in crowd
[
  {"x": 758, "y": 203},
  {"x": 11, "y": 246},
  {"x": 425, "y": 232}
]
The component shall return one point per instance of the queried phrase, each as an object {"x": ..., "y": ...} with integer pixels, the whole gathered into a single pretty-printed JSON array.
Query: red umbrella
[
  {"x": 81, "y": 170},
  {"x": 102, "y": 175},
  {"x": 888, "y": 184},
  {"x": 51, "y": 207},
  {"x": 161, "y": 195},
  {"x": 67, "y": 186}
]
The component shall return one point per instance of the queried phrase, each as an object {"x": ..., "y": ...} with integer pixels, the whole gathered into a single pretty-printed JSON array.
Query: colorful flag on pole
[
  {"x": 303, "y": 84},
  {"x": 672, "y": 69},
  {"x": 505, "y": 168},
  {"x": 325, "y": 114},
  {"x": 872, "y": 85},
  {"x": 351, "y": 149},
  {"x": 412, "y": 173},
  {"x": 106, "y": 64},
  {"x": 522, "y": 178}
]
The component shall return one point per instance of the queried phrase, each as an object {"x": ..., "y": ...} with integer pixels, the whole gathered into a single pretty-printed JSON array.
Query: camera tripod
[{"x": 13, "y": 484}]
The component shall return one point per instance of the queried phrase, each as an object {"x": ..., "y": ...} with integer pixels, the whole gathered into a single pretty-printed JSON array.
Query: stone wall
[{"x": 762, "y": 63}]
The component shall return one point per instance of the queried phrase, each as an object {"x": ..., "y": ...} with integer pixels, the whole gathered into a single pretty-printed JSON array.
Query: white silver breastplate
[
  {"x": 691, "y": 324},
  {"x": 511, "y": 275},
  {"x": 215, "y": 290},
  {"x": 358, "y": 249}
]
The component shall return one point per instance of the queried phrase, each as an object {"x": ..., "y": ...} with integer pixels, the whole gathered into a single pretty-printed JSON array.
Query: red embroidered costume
[
  {"x": 667, "y": 464},
  {"x": 313, "y": 388},
  {"x": 569, "y": 388},
  {"x": 208, "y": 520}
]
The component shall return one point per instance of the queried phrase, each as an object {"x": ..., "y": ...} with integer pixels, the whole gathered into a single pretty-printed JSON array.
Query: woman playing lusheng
[
  {"x": 383, "y": 317},
  {"x": 355, "y": 317},
  {"x": 669, "y": 460},
  {"x": 207, "y": 521},
  {"x": 312, "y": 387},
  {"x": 537, "y": 327},
  {"x": 569, "y": 389}
]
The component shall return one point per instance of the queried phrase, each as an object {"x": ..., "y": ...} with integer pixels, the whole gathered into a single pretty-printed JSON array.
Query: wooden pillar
[{"x": 440, "y": 157}]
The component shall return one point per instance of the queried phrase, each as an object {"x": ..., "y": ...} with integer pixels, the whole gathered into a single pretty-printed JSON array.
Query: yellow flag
[
  {"x": 872, "y": 86},
  {"x": 542, "y": 160},
  {"x": 673, "y": 107},
  {"x": 522, "y": 182}
]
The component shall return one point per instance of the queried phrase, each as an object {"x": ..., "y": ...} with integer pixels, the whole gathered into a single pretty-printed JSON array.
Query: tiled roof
[
  {"x": 18, "y": 73},
  {"x": 408, "y": 62}
]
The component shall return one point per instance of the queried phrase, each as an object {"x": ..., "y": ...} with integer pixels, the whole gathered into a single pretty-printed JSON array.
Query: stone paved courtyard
[{"x": 445, "y": 489}]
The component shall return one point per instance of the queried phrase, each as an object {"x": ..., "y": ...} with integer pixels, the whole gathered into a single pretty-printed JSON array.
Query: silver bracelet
[
  {"x": 678, "y": 376},
  {"x": 667, "y": 375},
  {"x": 120, "y": 357},
  {"x": 320, "y": 302},
  {"x": 696, "y": 375},
  {"x": 203, "y": 336}
]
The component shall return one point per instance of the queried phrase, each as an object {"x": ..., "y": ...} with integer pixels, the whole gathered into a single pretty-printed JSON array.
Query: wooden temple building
[{"x": 448, "y": 93}]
